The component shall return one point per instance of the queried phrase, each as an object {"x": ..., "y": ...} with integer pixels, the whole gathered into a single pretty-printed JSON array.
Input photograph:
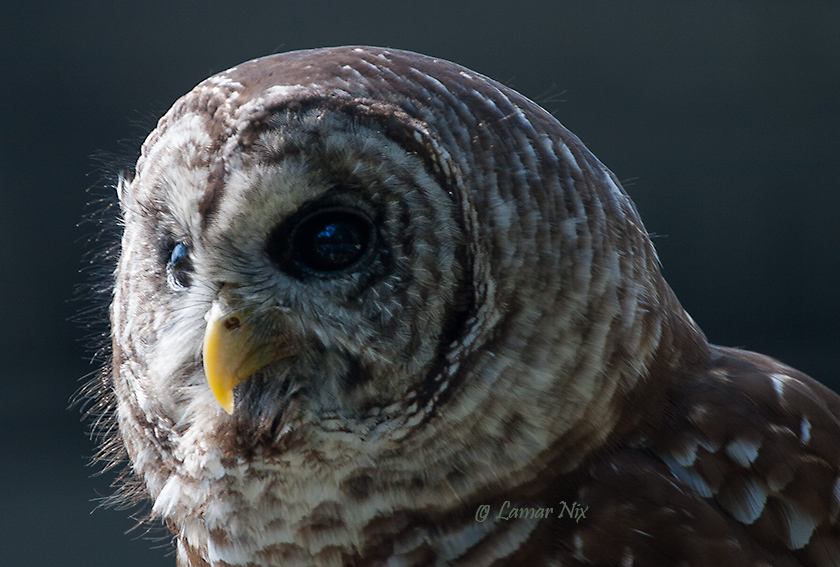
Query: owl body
[{"x": 373, "y": 308}]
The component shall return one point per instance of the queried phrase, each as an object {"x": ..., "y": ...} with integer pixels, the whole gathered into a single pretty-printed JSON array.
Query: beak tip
[{"x": 225, "y": 399}]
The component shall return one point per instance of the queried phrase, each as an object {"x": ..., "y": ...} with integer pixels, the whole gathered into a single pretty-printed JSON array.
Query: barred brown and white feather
[{"x": 373, "y": 308}]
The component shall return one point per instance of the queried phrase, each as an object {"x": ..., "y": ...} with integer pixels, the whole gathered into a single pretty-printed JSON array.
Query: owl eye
[
  {"x": 178, "y": 267},
  {"x": 325, "y": 242}
]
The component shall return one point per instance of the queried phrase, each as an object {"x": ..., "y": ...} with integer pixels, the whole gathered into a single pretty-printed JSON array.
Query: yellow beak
[{"x": 233, "y": 351}]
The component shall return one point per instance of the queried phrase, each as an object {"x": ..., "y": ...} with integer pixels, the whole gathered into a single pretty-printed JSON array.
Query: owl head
[{"x": 360, "y": 281}]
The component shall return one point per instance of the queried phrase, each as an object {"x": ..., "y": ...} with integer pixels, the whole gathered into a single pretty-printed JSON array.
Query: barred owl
[{"x": 373, "y": 308}]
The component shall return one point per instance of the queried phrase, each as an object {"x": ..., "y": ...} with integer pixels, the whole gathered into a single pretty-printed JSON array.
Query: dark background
[{"x": 722, "y": 118}]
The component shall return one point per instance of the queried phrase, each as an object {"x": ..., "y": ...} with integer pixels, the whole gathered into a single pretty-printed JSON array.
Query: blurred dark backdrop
[{"x": 722, "y": 118}]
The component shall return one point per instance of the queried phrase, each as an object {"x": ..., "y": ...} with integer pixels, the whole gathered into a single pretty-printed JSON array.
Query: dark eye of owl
[
  {"x": 324, "y": 243},
  {"x": 178, "y": 267}
]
